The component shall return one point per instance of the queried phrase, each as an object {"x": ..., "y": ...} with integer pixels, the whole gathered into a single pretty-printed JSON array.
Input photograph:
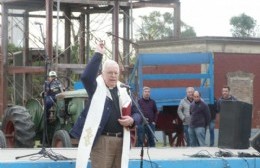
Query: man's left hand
[{"x": 126, "y": 121}]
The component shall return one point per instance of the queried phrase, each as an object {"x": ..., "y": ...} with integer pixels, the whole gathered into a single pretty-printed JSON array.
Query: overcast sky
[
  {"x": 207, "y": 17},
  {"x": 211, "y": 17}
]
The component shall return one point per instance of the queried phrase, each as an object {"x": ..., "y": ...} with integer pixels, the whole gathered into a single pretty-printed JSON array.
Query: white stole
[{"x": 93, "y": 120}]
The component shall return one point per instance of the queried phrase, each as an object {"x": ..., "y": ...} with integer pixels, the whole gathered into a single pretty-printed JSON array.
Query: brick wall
[{"x": 226, "y": 63}]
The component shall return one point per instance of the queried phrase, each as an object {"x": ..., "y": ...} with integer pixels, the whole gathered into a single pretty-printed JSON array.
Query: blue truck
[{"x": 168, "y": 75}]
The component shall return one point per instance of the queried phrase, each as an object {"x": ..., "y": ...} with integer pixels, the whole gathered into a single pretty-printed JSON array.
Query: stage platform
[{"x": 163, "y": 157}]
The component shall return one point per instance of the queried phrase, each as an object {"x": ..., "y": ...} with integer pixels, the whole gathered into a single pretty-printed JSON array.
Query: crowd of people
[
  {"x": 197, "y": 116},
  {"x": 110, "y": 114}
]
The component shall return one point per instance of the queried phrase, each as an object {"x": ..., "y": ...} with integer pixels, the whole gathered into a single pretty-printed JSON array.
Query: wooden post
[{"x": 3, "y": 60}]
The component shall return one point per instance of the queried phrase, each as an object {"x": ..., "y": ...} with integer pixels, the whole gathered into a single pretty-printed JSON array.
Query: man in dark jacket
[
  {"x": 103, "y": 126},
  {"x": 226, "y": 96},
  {"x": 200, "y": 118},
  {"x": 150, "y": 112},
  {"x": 52, "y": 87}
]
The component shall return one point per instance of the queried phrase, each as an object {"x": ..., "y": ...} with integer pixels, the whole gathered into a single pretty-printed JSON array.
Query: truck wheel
[
  {"x": 61, "y": 138},
  {"x": 18, "y": 128},
  {"x": 133, "y": 136},
  {"x": 2, "y": 140}
]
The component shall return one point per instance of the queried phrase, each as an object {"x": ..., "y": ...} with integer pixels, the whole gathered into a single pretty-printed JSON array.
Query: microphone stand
[{"x": 145, "y": 123}]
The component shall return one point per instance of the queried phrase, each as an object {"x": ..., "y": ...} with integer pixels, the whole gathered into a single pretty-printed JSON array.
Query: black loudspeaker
[
  {"x": 235, "y": 125},
  {"x": 255, "y": 141}
]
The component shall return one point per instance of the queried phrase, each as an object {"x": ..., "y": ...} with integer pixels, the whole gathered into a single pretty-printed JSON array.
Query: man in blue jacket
[
  {"x": 52, "y": 87},
  {"x": 103, "y": 126}
]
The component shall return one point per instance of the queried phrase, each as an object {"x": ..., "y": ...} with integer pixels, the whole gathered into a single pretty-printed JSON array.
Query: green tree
[
  {"x": 187, "y": 31},
  {"x": 243, "y": 26},
  {"x": 160, "y": 26},
  {"x": 12, "y": 48}
]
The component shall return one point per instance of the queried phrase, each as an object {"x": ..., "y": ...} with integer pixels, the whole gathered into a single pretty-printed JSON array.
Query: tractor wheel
[
  {"x": 2, "y": 140},
  {"x": 61, "y": 138},
  {"x": 18, "y": 127},
  {"x": 36, "y": 111}
]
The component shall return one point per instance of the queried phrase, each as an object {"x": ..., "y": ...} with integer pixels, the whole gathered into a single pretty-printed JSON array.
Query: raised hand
[{"x": 100, "y": 47}]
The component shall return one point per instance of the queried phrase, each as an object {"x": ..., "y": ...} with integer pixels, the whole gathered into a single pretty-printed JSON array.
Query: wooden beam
[
  {"x": 160, "y": 5},
  {"x": 177, "y": 21},
  {"x": 41, "y": 69},
  {"x": 71, "y": 66},
  {"x": 93, "y": 2},
  {"x": 39, "y": 16},
  {"x": 76, "y": 68},
  {"x": 3, "y": 60},
  {"x": 82, "y": 35},
  {"x": 49, "y": 24},
  {"x": 17, "y": 1},
  {"x": 25, "y": 69}
]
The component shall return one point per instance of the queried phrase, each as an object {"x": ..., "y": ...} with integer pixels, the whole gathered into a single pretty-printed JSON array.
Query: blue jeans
[
  {"x": 211, "y": 132},
  {"x": 49, "y": 101},
  {"x": 197, "y": 136},
  {"x": 186, "y": 134},
  {"x": 143, "y": 130}
]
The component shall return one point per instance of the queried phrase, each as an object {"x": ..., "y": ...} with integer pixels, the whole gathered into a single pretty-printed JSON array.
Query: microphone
[{"x": 122, "y": 85}]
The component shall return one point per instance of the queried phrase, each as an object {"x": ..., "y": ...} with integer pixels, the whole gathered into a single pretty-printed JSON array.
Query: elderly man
[
  {"x": 184, "y": 112},
  {"x": 200, "y": 118},
  {"x": 102, "y": 128}
]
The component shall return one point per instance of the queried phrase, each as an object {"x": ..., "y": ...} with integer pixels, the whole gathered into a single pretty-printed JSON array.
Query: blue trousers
[
  {"x": 49, "y": 101},
  {"x": 211, "y": 132},
  {"x": 197, "y": 136},
  {"x": 143, "y": 130},
  {"x": 186, "y": 134}
]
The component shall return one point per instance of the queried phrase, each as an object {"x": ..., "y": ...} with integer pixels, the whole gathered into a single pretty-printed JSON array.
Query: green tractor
[{"x": 23, "y": 126}]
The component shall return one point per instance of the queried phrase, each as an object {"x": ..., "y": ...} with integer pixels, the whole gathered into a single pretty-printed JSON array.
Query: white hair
[
  {"x": 109, "y": 63},
  {"x": 190, "y": 88}
]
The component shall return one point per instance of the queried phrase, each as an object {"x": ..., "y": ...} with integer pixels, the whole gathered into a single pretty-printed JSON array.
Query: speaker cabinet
[
  {"x": 255, "y": 141},
  {"x": 235, "y": 125}
]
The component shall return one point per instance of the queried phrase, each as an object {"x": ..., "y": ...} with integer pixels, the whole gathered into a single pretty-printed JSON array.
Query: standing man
[
  {"x": 149, "y": 109},
  {"x": 102, "y": 128},
  {"x": 200, "y": 117},
  {"x": 184, "y": 112},
  {"x": 226, "y": 96}
]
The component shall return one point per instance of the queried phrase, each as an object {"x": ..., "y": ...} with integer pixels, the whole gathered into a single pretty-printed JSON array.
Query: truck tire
[
  {"x": 2, "y": 140},
  {"x": 133, "y": 136},
  {"x": 18, "y": 127},
  {"x": 61, "y": 138}
]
